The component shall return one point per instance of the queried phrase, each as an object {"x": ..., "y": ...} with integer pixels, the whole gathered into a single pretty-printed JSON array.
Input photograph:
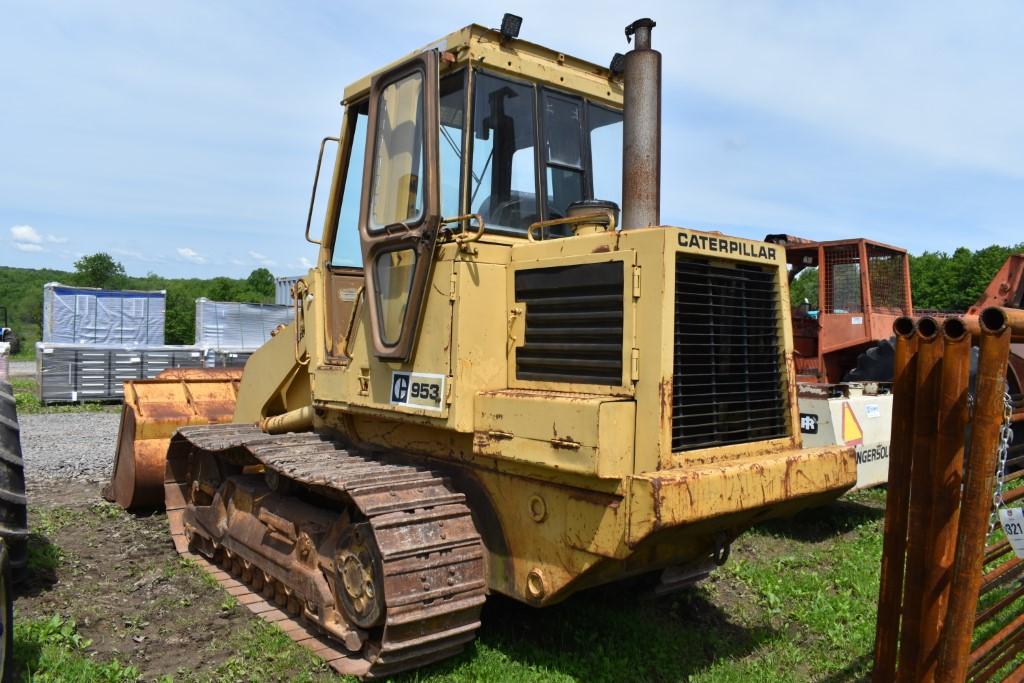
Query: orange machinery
[{"x": 863, "y": 286}]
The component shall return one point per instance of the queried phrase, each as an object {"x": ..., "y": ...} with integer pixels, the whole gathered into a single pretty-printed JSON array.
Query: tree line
[
  {"x": 21, "y": 292},
  {"x": 938, "y": 280}
]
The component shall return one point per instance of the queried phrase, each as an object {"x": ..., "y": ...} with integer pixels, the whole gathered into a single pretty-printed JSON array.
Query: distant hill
[{"x": 21, "y": 291}]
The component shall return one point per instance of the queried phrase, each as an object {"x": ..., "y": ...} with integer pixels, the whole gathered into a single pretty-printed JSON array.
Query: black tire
[
  {"x": 13, "y": 508},
  {"x": 6, "y": 616},
  {"x": 15, "y": 343},
  {"x": 876, "y": 364}
]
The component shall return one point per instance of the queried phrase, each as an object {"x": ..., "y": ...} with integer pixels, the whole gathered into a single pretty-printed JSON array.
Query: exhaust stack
[{"x": 641, "y": 130}]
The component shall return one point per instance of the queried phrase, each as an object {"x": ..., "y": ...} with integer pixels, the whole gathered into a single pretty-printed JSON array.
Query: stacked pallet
[{"x": 71, "y": 373}]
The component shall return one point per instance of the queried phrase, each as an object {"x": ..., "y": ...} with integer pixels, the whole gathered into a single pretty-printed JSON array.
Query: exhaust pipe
[{"x": 641, "y": 130}]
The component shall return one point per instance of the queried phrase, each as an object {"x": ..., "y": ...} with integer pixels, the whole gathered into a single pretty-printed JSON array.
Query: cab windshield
[{"x": 579, "y": 156}]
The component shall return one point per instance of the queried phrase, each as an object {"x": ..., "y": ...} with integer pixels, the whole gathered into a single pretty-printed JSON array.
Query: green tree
[
  {"x": 222, "y": 289},
  {"x": 804, "y": 287},
  {"x": 261, "y": 282},
  {"x": 99, "y": 270}
]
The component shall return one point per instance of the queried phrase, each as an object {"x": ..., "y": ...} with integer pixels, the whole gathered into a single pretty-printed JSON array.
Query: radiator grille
[
  {"x": 728, "y": 376},
  {"x": 573, "y": 323}
]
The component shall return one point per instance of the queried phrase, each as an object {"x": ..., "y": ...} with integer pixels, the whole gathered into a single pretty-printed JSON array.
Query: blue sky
[{"x": 181, "y": 137}]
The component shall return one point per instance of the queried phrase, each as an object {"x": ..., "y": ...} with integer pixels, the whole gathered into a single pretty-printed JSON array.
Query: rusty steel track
[{"x": 390, "y": 527}]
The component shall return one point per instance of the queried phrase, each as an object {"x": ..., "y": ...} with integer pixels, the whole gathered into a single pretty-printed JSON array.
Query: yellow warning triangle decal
[{"x": 852, "y": 433}]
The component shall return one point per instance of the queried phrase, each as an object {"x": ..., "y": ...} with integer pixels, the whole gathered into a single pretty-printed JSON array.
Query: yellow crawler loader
[{"x": 519, "y": 392}]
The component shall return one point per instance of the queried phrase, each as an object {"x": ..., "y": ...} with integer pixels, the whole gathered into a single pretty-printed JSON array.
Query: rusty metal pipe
[
  {"x": 946, "y": 467},
  {"x": 1015, "y": 676},
  {"x": 298, "y": 420},
  {"x": 979, "y": 656},
  {"x": 976, "y": 505},
  {"x": 998, "y": 606},
  {"x": 894, "y": 543},
  {"x": 999, "y": 657},
  {"x": 973, "y": 323},
  {"x": 641, "y": 130},
  {"x": 1012, "y": 318},
  {"x": 927, "y": 378},
  {"x": 1004, "y": 573}
]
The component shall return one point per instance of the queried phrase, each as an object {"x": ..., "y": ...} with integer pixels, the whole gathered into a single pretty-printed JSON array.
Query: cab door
[{"x": 400, "y": 208}]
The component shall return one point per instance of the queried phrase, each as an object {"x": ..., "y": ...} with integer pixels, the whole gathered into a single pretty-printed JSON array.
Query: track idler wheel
[{"x": 359, "y": 576}]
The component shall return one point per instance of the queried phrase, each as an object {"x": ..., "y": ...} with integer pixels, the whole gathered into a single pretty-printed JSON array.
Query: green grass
[
  {"x": 795, "y": 603},
  {"x": 29, "y": 334},
  {"x": 43, "y": 556},
  {"x": 264, "y": 654},
  {"x": 50, "y": 520},
  {"x": 51, "y": 649}
]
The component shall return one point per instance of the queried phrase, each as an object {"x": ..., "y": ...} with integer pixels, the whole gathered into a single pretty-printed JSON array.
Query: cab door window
[{"x": 398, "y": 160}]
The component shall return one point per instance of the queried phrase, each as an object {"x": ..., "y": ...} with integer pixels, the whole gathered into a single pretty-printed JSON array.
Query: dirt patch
[{"x": 120, "y": 579}]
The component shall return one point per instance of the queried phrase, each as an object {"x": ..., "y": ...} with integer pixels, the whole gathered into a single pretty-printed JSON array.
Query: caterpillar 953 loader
[{"x": 513, "y": 395}]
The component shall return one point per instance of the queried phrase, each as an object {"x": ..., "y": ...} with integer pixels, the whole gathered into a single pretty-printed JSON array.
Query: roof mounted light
[{"x": 510, "y": 25}]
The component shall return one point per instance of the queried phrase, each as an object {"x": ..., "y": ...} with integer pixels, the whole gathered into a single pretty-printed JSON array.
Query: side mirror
[{"x": 316, "y": 181}]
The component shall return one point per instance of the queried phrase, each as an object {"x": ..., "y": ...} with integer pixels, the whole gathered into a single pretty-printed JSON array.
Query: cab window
[
  {"x": 346, "y": 250},
  {"x": 564, "y": 153},
  {"x": 453, "y": 120},
  {"x": 604, "y": 127},
  {"x": 503, "y": 187}
]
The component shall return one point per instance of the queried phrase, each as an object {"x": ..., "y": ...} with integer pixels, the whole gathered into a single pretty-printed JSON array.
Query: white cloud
[
  {"x": 26, "y": 234},
  {"x": 261, "y": 258},
  {"x": 27, "y": 238},
  {"x": 305, "y": 262},
  {"x": 191, "y": 255}
]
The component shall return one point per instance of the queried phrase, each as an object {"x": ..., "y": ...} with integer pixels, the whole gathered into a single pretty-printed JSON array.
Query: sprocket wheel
[{"x": 359, "y": 576}]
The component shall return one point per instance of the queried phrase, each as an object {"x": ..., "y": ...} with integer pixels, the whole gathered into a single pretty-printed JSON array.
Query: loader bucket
[{"x": 153, "y": 410}]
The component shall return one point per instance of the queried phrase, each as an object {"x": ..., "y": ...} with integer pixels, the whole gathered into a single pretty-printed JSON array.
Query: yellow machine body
[{"x": 574, "y": 484}]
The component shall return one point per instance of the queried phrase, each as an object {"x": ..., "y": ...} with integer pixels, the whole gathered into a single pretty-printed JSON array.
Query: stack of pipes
[{"x": 941, "y": 563}]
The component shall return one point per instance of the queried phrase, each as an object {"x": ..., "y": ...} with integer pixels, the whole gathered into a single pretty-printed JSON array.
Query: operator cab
[{"x": 476, "y": 133}]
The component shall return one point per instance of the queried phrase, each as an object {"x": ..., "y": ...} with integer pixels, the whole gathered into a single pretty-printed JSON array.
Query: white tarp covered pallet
[
  {"x": 83, "y": 315},
  {"x": 236, "y": 326}
]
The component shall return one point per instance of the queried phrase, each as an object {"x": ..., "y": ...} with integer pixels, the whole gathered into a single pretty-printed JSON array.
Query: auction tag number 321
[{"x": 1012, "y": 520}]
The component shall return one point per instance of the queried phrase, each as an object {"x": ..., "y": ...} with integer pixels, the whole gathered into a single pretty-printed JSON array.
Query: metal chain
[{"x": 1005, "y": 437}]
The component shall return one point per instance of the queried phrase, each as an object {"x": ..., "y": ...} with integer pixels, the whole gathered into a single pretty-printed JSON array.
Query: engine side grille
[
  {"x": 573, "y": 323},
  {"x": 728, "y": 373}
]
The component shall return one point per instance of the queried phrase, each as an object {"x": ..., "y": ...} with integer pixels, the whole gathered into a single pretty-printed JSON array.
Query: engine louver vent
[
  {"x": 728, "y": 374},
  {"x": 573, "y": 323}
]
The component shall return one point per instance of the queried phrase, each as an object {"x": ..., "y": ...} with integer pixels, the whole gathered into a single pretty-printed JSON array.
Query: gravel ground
[{"x": 69, "y": 446}]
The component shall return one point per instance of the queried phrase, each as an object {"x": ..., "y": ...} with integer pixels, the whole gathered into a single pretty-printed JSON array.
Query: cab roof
[{"x": 484, "y": 47}]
